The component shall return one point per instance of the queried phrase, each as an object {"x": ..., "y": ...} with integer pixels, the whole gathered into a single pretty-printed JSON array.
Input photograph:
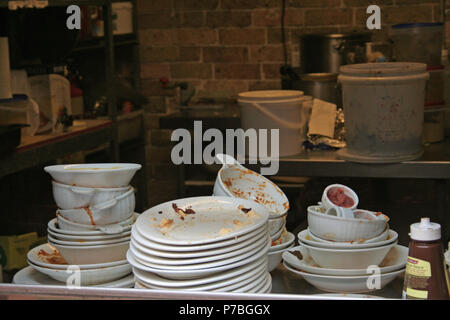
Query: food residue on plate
[
  {"x": 238, "y": 223},
  {"x": 165, "y": 223},
  {"x": 182, "y": 213},
  {"x": 339, "y": 198},
  {"x": 248, "y": 211},
  {"x": 225, "y": 231},
  {"x": 52, "y": 258},
  {"x": 298, "y": 254}
]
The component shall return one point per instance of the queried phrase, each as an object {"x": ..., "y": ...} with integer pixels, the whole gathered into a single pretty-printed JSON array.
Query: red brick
[
  {"x": 194, "y": 4},
  {"x": 249, "y": 4},
  {"x": 155, "y": 105},
  {"x": 246, "y": 36},
  {"x": 148, "y": 6},
  {"x": 158, "y": 54},
  {"x": 267, "y": 53},
  {"x": 220, "y": 90},
  {"x": 159, "y": 20},
  {"x": 195, "y": 36},
  {"x": 225, "y": 54},
  {"x": 274, "y": 35},
  {"x": 271, "y": 70},
  {"x": 366, "y": 3},
  {"x": 152, "y": 87},
  {"x": 155, "y": 37},
  {"x": 264, "y": 85},
  {"x": 187, "y": 54},
  {"x": 237, "y": 71},
  {"x": 315, "y": 3},
  {"x": 191, "y": 71},
  {"x": 323, "y": 17},
  {"x": 215, "y": 19},
  {"x": 193, "y": 19},
  {"x": 408, "y": 2},
  {"x": 272, "y": 17},
  {"x": 154, "y": 70}
]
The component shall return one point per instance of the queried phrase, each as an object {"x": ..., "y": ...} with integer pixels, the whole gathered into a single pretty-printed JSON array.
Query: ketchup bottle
[{"x": 426, "y": 275}]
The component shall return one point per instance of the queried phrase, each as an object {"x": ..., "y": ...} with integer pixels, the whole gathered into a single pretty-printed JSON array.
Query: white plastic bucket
[
  {"x": 275, "y": 109},
  {"x": 384, "y": 111}
]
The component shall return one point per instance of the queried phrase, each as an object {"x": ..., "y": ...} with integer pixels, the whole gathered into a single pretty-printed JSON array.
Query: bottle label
[{"x": 416, "y": 278}]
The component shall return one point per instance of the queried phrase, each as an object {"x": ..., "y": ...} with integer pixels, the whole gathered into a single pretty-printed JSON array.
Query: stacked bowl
[
  {"x": 202, "y": 244},
  {"x": 234, "y": 180},
  {"x": 92, "y": 228},
  {"x": 343, "y": 254}
]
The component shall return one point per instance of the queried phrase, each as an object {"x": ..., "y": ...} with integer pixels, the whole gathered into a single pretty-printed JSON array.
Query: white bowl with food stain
[
  {"x": 71, "y": 197},
  {"x": 334, "y": 228},
  {"x": 88, "y": 243},
  {"x": 112, "y": 211},
  {"x": 65, "y": 226},
  {"x": 234, "y": 180},
  {"x": 94, "y": 175},
  {"x": 74, "y": 254}
]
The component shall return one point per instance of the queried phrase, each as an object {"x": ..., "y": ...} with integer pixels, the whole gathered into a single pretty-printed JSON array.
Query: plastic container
[
  {"x": 418, "y": 42},
  {"x": 434, "y": 93},
  {"x": 384, "y": 111},
  {"x": 434, "y": 125},
  {"x": 275, "y": 109}
]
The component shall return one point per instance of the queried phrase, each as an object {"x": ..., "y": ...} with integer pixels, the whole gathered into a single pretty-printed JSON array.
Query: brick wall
[{"x": 223, "y": 47}]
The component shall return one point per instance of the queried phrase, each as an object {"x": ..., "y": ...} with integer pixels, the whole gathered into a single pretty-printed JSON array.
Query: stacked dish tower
[
  {"x": 92, "y": 228},
  {"x": 216, "y": 244},
  {"x": 344, "y": 246}
]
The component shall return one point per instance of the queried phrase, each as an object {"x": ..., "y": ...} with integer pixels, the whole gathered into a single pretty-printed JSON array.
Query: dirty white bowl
[
  {"x": 276, "y": 224},
  {"x": 344, "y": 284},
  {"x": 93, "y": 254},
  {"x": 66, "y": 226},
  {"x": 94, "y": 175},
  {"x": 348, "y": 259},
  {"x": 275, "y": 254},
  {"x": 342, "y": 229},
  {"x": 112, "y": 211},
  {"x": 87, "y": 277},
  {"x": 286, "y": 241},
  {"x": 308, "y": 238},
  {"x": 234, "y": 180},
  {"x": 67, "y": 237},
  {"x": 71, "y": 197},
  {"x": 327, "y": 203},
  {"x": 381, "y": 237},
  {"x": 84, "y": 243}
]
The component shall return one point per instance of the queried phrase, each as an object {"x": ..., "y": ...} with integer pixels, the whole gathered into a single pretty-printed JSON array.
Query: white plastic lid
[
  {"x": 425, "y": 230},
  {"x": 268, "y": 95}
]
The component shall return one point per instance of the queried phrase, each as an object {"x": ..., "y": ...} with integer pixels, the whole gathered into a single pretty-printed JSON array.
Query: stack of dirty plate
[
  {"x": 344, "y": 246},
  {"x": 234, "y": 180},
  {"x": 93, "y": 224},
  {"x": 202, "y": 244}
]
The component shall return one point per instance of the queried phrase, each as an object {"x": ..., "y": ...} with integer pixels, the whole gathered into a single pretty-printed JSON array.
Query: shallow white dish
[
  {"x": 94, "y": 175},
  {"x": 112, "y": 211},
  {"x": 30, "y": 276},
  {"x": 216, "y": 280},
  {"x": 215, "y": 219},
  {"x": 224, "y": 285},
  {"x": 276, "y": 224},
  {"x": 225, "y": 244},
  {"x": 275, "y": 258},
  {"x": 181, "y": 261},
  {"x": 261, "y": 286},
  {"x": 195, "y": 274},
  {"x": 381, "y": 237},
  {"x": 71, "y": 197},
  {"x": 348, "y": 259},
  {"x": 278, "y": 234},
  {"x": 87, "y": 277},
  {"x": 93, "y": 254},
  {"x": 144, "y": 259},
  {"x": 85, "y": 230},
  {"x": 286, "y": 241},
  {"x": 234, "y": 180},
  {"x": 342, "y": 229},
  {"x": 65, "y": 224},
  {"x": 344, "y": 284},
  {"x": 67, "y": 237},
  {"x": 87, "y": 243},
  {"x": 34, "y": 257},
  {"x": 144, "y": 246},
  {"x": 394, "y": 260},
  {"x": 305, "y": 237}
]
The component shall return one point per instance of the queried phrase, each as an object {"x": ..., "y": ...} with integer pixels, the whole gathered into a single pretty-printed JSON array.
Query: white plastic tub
[
  {"x": 383, "y": 106},
  {"x": 275, "y": 109}
]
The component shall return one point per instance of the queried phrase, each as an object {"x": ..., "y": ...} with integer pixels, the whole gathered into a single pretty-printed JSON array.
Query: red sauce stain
[
  {"x": 88, "y": 211},
  {"x": 339, "y": 198}
]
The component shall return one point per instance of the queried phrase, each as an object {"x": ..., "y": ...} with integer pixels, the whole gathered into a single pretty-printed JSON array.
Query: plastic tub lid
[
  {"x": 383, "y": 69},
  {"x": 268, "y": 95}
]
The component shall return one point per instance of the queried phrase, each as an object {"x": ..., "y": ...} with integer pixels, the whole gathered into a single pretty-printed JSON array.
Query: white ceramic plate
[
  {"x": 195, "y": 274},
  {"x": 222, "y": 277},
  {"x": 34, "y": 257},
  {"x": 87, "y": 277},
  {"x": 195, "y": 248},
  {"x": 87, "y": 243},
  {"x": 275, "y": 258},
  {"x": 53, "y": 226},
  {"x": 227, "y": 285},
  {"x": 215, "y": 219},
  {"x": 261, "y": 244},
  {"x": 258, "y": 243},
  {"x": 259, "y": 286},
  {"x": 303, "y": 236},
  {"x": 197, "y": 253},
  {"x": 343, "y": 284},
  {"x": 30, "y": 276},
  {"x": 65, "y": 237},
  {"x": 394, "y": 260},
  {"x": 286, "y": 241},
  {"x": 94, "y": 175}
]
